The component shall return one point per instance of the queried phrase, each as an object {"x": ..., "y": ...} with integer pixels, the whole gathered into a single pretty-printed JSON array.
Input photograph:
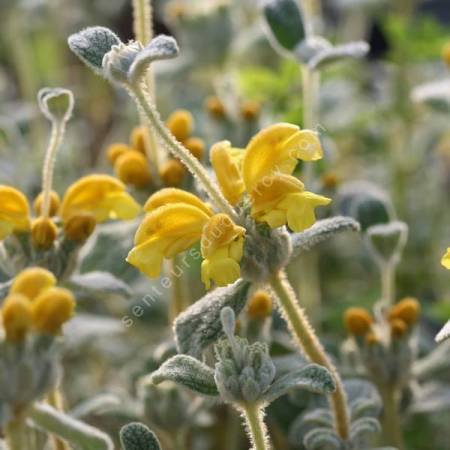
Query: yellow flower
[
  {"x": 276, "y": 149},
  {"x": 445, "y": 261},
  {"x": 174, "y": 224},
  {"x": 14, "y": 211},
  {"x": 281, "y": 199},
  {"x": 51, "y": 309},
  {"x": 222, "y": 248},
  {"x": 103, "y": 196},
  {"x": 32, "y": 281},
  {"x": 16, "y": 317},
  {"x": 226, "y": 163}
]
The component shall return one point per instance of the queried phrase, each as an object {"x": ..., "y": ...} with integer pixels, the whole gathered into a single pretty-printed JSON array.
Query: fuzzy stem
[
  {"x": 307, "y": 340},
  {"x": 16, "y": 434},
  {"x": 56, "y": 138},
  {"x": 387, "y": 284},
  {"x": 178, "y": 289},
  {"x": 256, "y": 427},
  {"x": 179, "y": 151},
  {"x": 392, "y": 429},
  {"x": 143, "y": 32}
]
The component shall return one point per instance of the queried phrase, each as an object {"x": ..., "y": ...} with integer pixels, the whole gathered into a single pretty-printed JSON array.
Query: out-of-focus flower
[
  {"x": 445, "y": 261},
  {"x": 14, "y": 211}
]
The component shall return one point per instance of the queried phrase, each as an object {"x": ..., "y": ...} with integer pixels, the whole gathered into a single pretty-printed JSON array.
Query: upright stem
[
  {"x": 256, "y": 427},
  {"x": 143, "y": 32},
  {"x": 307, "y": 340},
  {"x": 56, "y": 137},
  {"x": 179, "y": 151},
  {"x": 392, "y": 428},
  {"x": 16, "y": 435},
  {"x": 388, "y": 284}
]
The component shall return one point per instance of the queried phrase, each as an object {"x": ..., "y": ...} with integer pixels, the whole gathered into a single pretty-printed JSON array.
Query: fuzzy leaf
[
  {"x": 99, "y": 283},
  {"x": 444, "y": 333},
  {"x": 66, "y": 427},
  {"x": 99, "y": 404},
  {"x": 351, "y": 50},
  {"x": 284, "y": 22},
  {"x": 365, "y": 407},
  {"x": 313, "y": 378},
  {"x": 322, "y": 439},
  {"x": 321, "y": 231},
  {"x": 363, "y": 431},
  {"x": 92, "y": 44},
  {"x": 161, "y": 47},
  {"x": 200, "y": 325},
  {"x": 136, "y": 436},
  {"x": 189, "y": 372}
]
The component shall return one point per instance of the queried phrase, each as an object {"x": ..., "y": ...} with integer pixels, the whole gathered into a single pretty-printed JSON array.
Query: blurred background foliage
[{"x": 374, "y": 128}]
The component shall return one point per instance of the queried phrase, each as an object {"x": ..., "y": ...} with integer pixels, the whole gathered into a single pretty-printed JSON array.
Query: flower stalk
[
  {"x": 16, "y": 434},
  {"x": 307, "y": 340},
  {"x": 392, "y": 429},
  {"x": 257, "y": 430},
  {"x": 178, "y": 150}
]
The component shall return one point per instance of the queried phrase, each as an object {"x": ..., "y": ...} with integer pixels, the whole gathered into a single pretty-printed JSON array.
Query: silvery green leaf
[
  {"x": 444, "y": 333},
  {"x": 431, "y": 397},
  {"x": 363, "y": 431},
  {"x": 321, "y": 231},
  {"x": 74, "y": 431},
  {"x": 357, "y": 389},
  {"x": 200, "y": 325},
  {"x": 99, "y": 284},
  {"x": 189, "y": 372},
  {"x": 92, "y": 44},
  {"x": 334, "y": 54},
  {"x": 386, "y": 241},
  {"x": 161, "y": 47},
  {"x": 285, "y": 23},
  {"x": 310, "y": 420},
  {"x": 136, "y": 436},
  {"x": 435, "y": 363},
  {"x": 365, "y": 202},
  {"x": 313, "y": 378},
  {"x": 310, "y": 48},
  {"x": 365, "y": 407},
  {"x": 436, "y": 94},
  {"x": 322, "y": 439},
  {"x": 96, "y": 405},
  {"x": 56, "y": 103}
]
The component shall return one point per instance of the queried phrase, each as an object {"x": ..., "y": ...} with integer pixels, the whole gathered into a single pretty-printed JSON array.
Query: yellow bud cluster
[
  {"x": 403, "y": 316},
  {"x": 358, "y": 321},
  {"x": 260, "y": 305},
  {"x": 35, "y": 304}
]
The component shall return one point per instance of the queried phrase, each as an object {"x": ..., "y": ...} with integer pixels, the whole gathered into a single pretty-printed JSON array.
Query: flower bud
[
  {"x": 172, "y": 172},
  {"x": 371, "y": 338},
  {"x": 260, "y": 305},
  {"x": 52, "y": 309},
  {"x": 43, "y": 233},
  {"x": 398, "y": 328},
  {"x": 250, "y": 110},
  {"x": 79, "y": 227},
  {"x": 196, "y": 146},
  {"x": 407, "y": 310},
  {"x": 116, "y": 150},
  {"x": 54, "y": 204},
  {"x": 215, "y": 107},
  {"x": 16, "y": 316},
  {"x": 358, "y": 321},
  {"x": 446, "y": 53},
  {"x": 329, "y": 180},
  {"x": 32, "y": 281},
  {"x": 132, "y": 168},
  {"x": 180, "y": 124},
  {"x": 138, "y": 139}
]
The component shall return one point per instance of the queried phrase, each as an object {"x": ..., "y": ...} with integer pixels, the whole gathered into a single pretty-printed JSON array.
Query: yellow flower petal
[
  {"x": 32, "y": 281},
  {"x": 101, "y": 195},
  {"x": 221, "y": 271},
  {"x": 14, "y": 211},
  {"x": 280, "y": 199},
  {"x": 220, "y": 231},
  {"x": 276, "y": 149},
  {"x": 174, "y": 195},
  {"x": 446, "y": 259},
  {"x": 227, "y": 171},
  {"x": 166, "y": 231}
]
